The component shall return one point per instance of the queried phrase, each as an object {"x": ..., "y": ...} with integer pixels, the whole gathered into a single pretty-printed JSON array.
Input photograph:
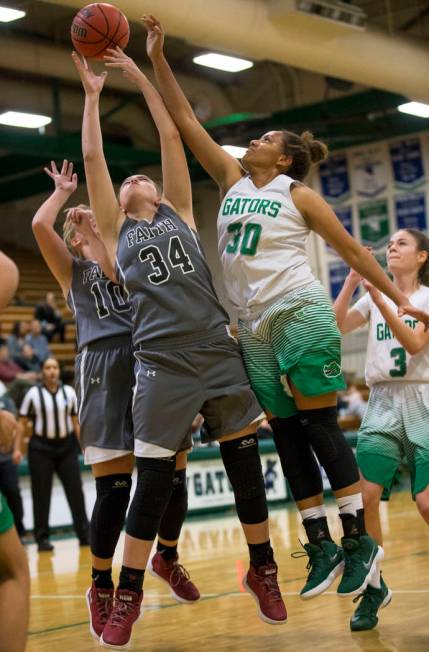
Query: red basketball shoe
[
  {"x": 262, "y": 585},
  {"x": 100, "y": 604},
  {"x": 177, "y": 578},
  {"x": 126, "y": 610}
]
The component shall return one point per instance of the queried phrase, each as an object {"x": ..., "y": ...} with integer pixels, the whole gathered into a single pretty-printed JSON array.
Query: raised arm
[
  {"x": 321, "y": 218},
  {"x": 413, "y": 340},
  {"x": 83, "y": 223},
  {"x": 348, "y": 320},
  {"x": 52, "y": 247},
  {"x": 175, "y": 174},
  {"x": 221, "y": 166},
  {"x": 102, "y": 197}
]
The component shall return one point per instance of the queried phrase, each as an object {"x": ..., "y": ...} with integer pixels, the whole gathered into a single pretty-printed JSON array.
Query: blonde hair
[{"x": 69, "y": 231}]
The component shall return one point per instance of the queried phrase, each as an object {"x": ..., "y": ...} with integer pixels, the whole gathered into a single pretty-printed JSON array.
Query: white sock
[
  {"x": 375, "y": 580},
  {"x": 350, "y": 504},
  {"x": 318, "y": 511}
]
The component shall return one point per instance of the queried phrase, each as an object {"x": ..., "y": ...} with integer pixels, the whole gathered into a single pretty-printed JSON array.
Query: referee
[{"x": 52, "y": 407}]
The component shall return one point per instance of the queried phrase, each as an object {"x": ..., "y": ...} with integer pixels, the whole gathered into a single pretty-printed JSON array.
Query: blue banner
[
  {"x": 407, "y": 163},
  {"x": 337, "y": 275},
  {"x": 410, "y": 211},
  {"x": 345, "y": 215},
  {"x": 334, "y": 179}
]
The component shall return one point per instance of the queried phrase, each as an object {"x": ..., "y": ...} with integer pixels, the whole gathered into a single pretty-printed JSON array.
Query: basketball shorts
[
  {"x": 395, "y": 428},
  {"x": 296, "y": 338},
  {"x": 175, "y": 382},
  {"x": 104, "y": 376},
  {"x": 6, "y": 518}
]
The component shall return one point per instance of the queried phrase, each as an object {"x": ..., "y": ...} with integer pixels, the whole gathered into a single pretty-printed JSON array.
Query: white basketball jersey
[
  {"x": 386, "y": 358},
  {"x": 262, "y": 244}
]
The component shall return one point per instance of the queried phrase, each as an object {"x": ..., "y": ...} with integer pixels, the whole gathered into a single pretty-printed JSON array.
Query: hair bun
[{"x": 318, "y": 150}]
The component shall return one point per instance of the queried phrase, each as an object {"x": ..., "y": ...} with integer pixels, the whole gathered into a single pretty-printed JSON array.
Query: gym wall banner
[
  {"x": 334, "y": 179},
  {"x": 407, "y": 163},
  {"x": 345, "y": 215},
  {"x": 410, "y": 211},
  {"x": 374, "y": 224},
  {"x": 369, "y": 170}
]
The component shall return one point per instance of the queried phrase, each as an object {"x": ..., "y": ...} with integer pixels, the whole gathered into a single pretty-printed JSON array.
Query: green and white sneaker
[
  {"x": 325, "y": 563},
  {"x": 361, "y": 557},
  {"x": 365, "y": 616}
]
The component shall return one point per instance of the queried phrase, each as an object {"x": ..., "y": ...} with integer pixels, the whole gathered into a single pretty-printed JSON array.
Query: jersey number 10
[{"x": 116, "y": 300}]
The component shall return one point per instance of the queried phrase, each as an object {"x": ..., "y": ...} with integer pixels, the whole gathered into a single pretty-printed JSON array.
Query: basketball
[{"x": 97, "y": 27}]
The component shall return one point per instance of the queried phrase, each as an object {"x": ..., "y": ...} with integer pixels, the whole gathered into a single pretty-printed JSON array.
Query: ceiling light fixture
[
  {"x": 222, "y": 62},
  {"x": 415, "y": 108},
  {"x": 7, "y": 15},
  {"x": 25, "y": 120}
]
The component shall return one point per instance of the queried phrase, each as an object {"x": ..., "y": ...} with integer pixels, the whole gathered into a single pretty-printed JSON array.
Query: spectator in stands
[
  {"x": 50, "y": 317},
  {"x": 10, "y": 456},
  {"x": 28, "y": 360},
  {"x": 38, "y": 341},
  {"x": 53, "y": 408},
  {"x": 15, "y": 378},
  {"x": 16, "y": 339},
  {"x": 352, "y": 403}
]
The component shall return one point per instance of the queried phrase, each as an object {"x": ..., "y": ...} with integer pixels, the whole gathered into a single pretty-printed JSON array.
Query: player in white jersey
[
  {"x": 397, "y": 371},
  {"x": 287, "y": 328}
]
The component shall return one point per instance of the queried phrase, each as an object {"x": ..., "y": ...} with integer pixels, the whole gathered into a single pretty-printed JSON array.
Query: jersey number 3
[{"x": 400, "y": 362}]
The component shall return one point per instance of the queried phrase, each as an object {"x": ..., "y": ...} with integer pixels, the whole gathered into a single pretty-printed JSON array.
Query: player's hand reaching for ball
[
  {"x": 376, "y": 295},
  {"x": 116, "y": 58},
  {"x": 92, "y": 83},
  {"x": 66, "y": 180},
  {"x": 83, "y": 221},
  {"x": 155, "y": 36}
]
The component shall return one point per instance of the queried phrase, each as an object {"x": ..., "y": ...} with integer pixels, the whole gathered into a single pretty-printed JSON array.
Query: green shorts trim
[
  {"x": 377, "y": 468},
  {"x": 296, "y": 338},
  {"x": 6, "y": 518}
]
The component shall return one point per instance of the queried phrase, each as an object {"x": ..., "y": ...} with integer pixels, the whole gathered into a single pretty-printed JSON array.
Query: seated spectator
[
  {"x": 354, "y": 404},
  {"x": 10, "y": 457},
  {"x": 50, "y": 317},
  {"x": 16, "y": 339},
  {"x": 13, "y": 376},
  {"x": 28, "y": 360},
  {"x": 38, "y": 341}
]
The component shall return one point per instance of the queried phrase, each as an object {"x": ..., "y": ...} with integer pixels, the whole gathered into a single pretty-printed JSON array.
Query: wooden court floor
[{"x": 225, "y": 619}]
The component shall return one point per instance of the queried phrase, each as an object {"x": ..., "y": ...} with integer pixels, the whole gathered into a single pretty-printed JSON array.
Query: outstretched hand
[
  {"x": 155, "y": 36},
  {"x": 375, "y": 294},
  {"x": 92, "y": 83},
  {"x": 83, "y": 220},
  {"x": 65, "y": 180},
  {"x": 412, "y": 311},
  {"x": 116, "y": 58}
]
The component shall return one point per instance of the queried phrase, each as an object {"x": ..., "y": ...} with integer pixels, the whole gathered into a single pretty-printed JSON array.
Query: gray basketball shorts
[
  {"x": 104, "y": 379},
  {"x": 174, "y": 384}
]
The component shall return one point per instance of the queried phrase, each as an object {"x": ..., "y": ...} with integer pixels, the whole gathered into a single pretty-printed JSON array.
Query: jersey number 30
[{"x": 246, "y": 241}]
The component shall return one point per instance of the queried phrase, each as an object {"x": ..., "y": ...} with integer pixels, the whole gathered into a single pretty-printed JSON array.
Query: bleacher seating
[{"x": 35, "y": 281}]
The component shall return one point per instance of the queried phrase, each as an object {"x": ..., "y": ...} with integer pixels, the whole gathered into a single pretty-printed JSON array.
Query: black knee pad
[
  {"x": 243, "y": 468},
  {"x": 176, "y": 510},
  {"x": 299, "y": 464},
  {"x": 153, "y": 491},
  {"x": 108, "y": 515},
  {"x": 332, "y": 450}
]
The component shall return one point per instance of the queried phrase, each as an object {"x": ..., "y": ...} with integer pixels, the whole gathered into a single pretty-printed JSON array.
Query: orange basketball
[{"x": 97, "y": 27}]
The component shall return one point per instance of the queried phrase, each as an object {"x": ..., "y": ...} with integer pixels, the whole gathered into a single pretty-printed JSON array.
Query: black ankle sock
[
  {"x": 167, "y": 552},
  {"x": 353, "y": 526},
  {"x": 261, "y": 554},
  {"x": 131, "y": 579},
  {"x": 317, "y": 529},
  {"x": 102, "y": 578}
]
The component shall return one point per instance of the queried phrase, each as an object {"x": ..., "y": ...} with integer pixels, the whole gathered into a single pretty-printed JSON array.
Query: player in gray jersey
[
  {"x": 104, "y": 377},
  {"x": 288, "y": 334},
  {"x": 186, "y": 360}
]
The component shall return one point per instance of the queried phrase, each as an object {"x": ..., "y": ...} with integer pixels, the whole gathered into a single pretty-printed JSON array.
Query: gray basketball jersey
[
  {"x": 101, "y": 307},
  {"x": 166, "y": 276}
]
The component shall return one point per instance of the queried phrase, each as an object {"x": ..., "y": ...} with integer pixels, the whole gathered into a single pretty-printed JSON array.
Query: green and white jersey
[
  {"x": 386, "y": 358},
  {"x": 262, "y": 244}
]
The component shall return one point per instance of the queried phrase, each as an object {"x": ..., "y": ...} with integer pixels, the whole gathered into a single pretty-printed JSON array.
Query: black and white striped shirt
[{"x": 51, "y": 411}]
